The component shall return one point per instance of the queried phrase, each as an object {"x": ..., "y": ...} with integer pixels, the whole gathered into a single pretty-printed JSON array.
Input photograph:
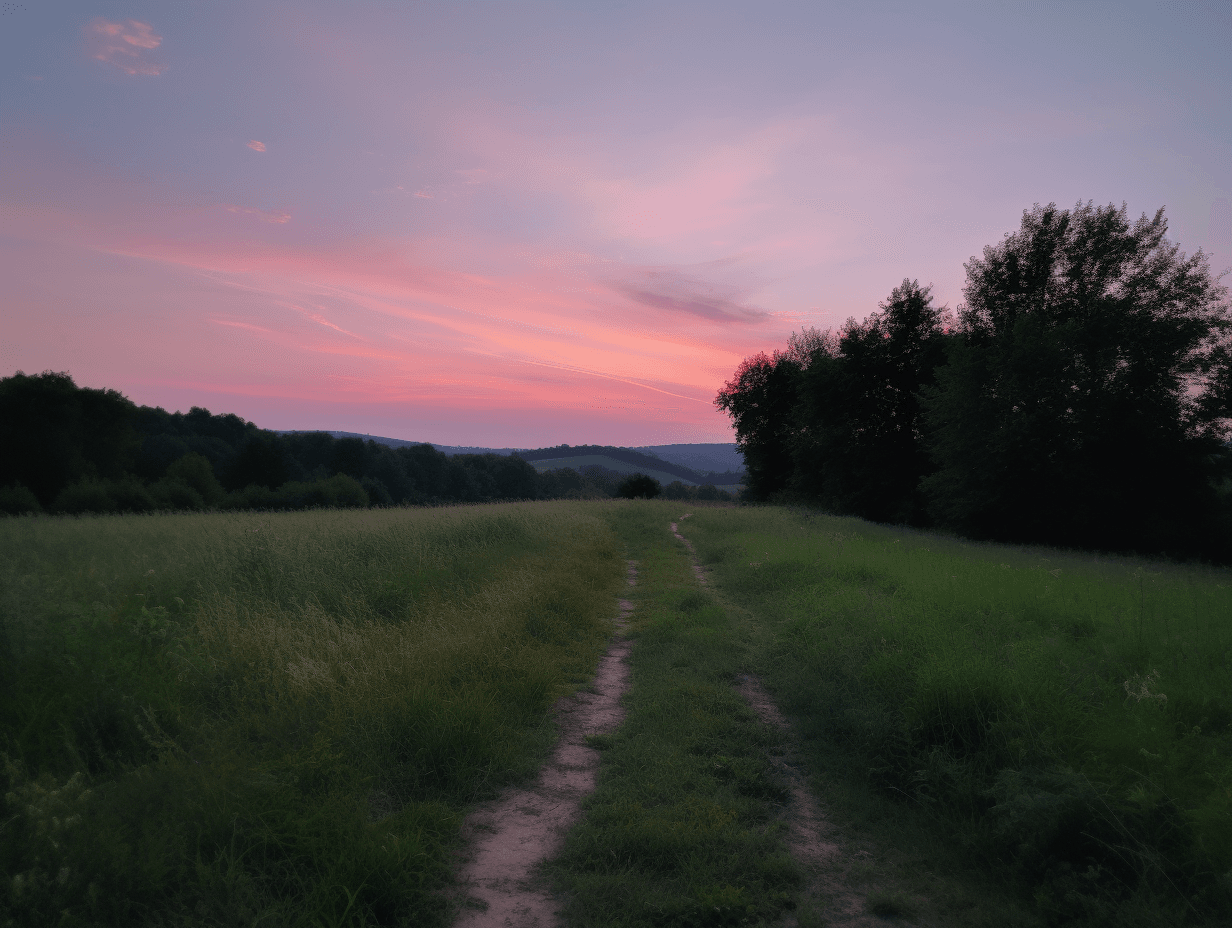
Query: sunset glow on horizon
[{"x": 521, "y": 224}]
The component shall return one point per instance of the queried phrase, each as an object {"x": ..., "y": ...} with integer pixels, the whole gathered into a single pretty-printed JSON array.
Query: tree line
[
  {"x": 1080, "y": 396},
  {"x": 70, "y": 449}
]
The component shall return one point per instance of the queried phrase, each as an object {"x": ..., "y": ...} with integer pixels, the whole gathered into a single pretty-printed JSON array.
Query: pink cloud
[
  {"x": 255, "y": 145},
  {"x": 673, "y": 290},
  {"x": 275, "y": 216},
  {"x": 548, "y": 336},
  {"x": 125, "y": 45}
]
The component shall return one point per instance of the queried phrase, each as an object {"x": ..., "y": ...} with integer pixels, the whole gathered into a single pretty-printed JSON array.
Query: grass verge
[
  {"x": 1065, "y": 717},
  {"x": 681, "y": 829},
  {"x": 278, "y": 718}
]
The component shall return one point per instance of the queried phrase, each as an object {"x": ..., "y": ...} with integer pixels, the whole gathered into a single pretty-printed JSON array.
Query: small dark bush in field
[
  {"x": 707, "y": 492},
  {"x": 639, "y": 486},
  {"x": 195, "y": 471},
  {"x": 17, "y": 500},
  {"x": 676, "y": 490},
  {"x": 86, "y": 496}
]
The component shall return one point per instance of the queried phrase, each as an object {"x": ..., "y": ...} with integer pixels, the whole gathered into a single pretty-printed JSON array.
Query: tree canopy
[
  {"x": 1082, "y": 402},
  {"x": 73, "y": 449},
  {"x": 1082, "y": 396}
]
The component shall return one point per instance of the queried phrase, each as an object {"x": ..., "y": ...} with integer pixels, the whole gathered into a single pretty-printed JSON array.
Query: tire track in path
[
  {"x": 811, "y": 838},
  {"x": 505, "y": 839}
]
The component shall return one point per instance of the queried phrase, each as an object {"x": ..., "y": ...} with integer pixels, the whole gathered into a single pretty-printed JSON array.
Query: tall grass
[
  {"x": 1070, "y": 715},
  {"x": 279, "y": 718}
]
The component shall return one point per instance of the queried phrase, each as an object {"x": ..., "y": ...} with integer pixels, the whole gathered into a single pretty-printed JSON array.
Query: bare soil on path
[
  {"x": 507, "y": 838},
  {"x": 827, "y": 858}
]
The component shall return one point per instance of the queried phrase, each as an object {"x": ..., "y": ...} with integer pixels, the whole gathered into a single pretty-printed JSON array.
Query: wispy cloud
[
  {"x": 276, "y": 216},
  {"x": 127, "y": 46},
  {"x": 255, "y": 145},
  {"x": 673, "y": 290}
]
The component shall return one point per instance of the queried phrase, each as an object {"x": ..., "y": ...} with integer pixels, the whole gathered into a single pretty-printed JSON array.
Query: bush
[
  {"x": 336, "y": 492},
  {"x": 640, "y": 486},
  {"x": 195, "y": 471},
  {"x": 676, "y": 490},
  {"x": 171, "y": 494},
  {"x": 16, "y": 500},
  {"x": 130, "y": 495},
  {"x": 85, "y": 496}
]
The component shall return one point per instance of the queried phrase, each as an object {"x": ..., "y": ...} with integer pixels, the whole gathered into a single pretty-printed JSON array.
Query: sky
[{"x": 520, "y": 224}]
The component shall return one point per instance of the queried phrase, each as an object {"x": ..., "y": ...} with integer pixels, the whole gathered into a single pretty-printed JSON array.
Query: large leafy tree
[
  {"x": 859, "y": 448},
  {"x": 1087, "y": 402},
  {"x": 761, "y": 401}
]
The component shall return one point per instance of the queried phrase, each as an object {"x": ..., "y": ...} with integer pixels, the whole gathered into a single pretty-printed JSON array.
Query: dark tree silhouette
[
  {"x": 54, "y": 433},
  {"x": 858, "y": 446},
  {"x": 761, "y": 401},
  {"x": 261, "y": 462},
  {"x": 639, "y": 486},
  {"x": 1087, "y": 401}
]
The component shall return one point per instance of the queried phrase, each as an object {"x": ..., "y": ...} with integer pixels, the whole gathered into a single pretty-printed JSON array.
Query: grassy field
[
  {"x": 277, "y": 719},
  {"x": 280, "y": 719},
  {"x": 681, "y": 830},
  {"x": 1066, "y": 716}
]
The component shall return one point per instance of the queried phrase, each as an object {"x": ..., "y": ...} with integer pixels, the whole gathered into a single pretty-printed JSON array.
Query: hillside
[{"x": 695, "y": 464}]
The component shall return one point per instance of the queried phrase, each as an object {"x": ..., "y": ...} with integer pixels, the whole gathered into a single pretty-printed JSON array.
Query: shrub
[
  {"x": 194, "y": 470},
  {"x": 85, "y": 496},
  {"x": 16, "y": 500},
  {"x": 639, "y": 486},
  {"x": 171, "y": 494}
]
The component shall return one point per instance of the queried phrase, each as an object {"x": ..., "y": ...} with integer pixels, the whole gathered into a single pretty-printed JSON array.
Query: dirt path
[
  {"x": 826, "y": 858},
  {"x": 508, "y": 837}
]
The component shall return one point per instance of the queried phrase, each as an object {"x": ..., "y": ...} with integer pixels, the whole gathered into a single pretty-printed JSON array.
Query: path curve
[{"x": 506, "y": 838}]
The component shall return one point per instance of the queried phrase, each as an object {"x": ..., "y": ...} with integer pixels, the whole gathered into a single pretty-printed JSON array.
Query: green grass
[
  {"x": 1067, "y": 716},
  {"x": 280, "y": 719},
  {"x": 277, "y": 719},
  {"x": 681, "y": 829}
]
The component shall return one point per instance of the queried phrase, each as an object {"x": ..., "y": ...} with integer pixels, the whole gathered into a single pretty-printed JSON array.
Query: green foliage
[
  {"x": 1062, "y": 715},
  {"x": 194, "y": 471},
  {"x": 280, "y": 718}
]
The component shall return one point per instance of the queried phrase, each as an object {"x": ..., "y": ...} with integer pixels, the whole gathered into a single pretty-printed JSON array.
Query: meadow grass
[
  {"x": 681, "y": 829},
  {"x": 1065, "y": 715},
  {"x": 234, "y": 719}
]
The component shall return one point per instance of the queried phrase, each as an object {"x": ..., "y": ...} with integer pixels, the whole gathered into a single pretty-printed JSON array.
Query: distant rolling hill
[
  {"x": 601, "y": 460},
  {"x": 693, "y": 464},
  {"x": 630, "y": 461},
  {"x": 710, "y": 457}
]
